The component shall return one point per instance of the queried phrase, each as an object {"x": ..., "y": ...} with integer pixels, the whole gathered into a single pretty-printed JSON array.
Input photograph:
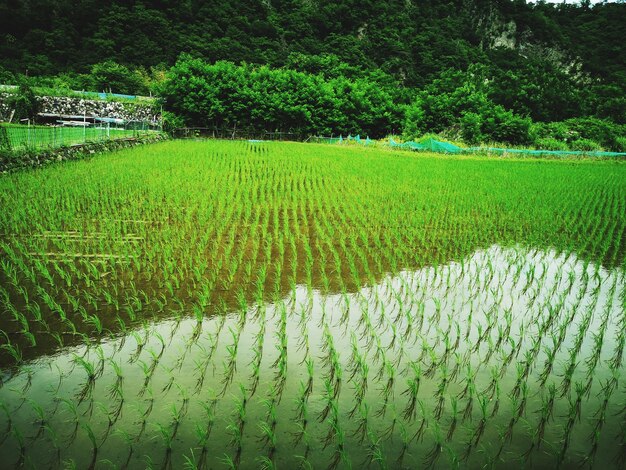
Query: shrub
[
  {"x": 24, "y": 103},
  {"x": 505, "y": 126},
  {"x": 471, "y": 128},
  {"x": 585, "y": 145},
  {"x": 172, "y": 121},
  {"x": 620, "y": 144},
  {"x": 554, "y": 130},
  {"x": 550, "y": 143}
]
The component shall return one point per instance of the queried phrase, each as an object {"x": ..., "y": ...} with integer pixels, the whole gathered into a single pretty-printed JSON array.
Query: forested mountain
[
  {"x": 411, "y": 39},
  {"x": 546, "y": 62}
]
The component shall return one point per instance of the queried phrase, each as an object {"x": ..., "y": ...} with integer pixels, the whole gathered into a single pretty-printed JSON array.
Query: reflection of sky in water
[{"x": 468, "y": 331}]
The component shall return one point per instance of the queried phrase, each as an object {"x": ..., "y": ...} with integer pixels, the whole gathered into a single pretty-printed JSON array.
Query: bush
[
  {"x": 552, "y": 130},
  {"x": 620, "y": 144},
  {"x": 550, "y": 143},
  {"x": 24, "y": 103},
  {"x": 585, "y": 145},
  {"x": 502, "y": 125},
  {"x": 471, "y": 128},
  {"x": 602, "y": 133},
  {"x": 171, "y": 121}
]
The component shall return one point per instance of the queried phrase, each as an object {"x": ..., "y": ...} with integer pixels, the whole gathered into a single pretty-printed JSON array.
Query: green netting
[
  {"x": 17, "y": 137},
  {"x": 500, "y": 151},
  {"x": 430, "y": 145},
  {"x": 341, "y": 139},
  {"x": 5, "y": 143},
  {"x": 433, "y": 145}
]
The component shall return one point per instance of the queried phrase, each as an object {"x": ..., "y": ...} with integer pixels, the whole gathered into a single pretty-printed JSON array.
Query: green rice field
[
  {"x": 40, "y": 137},
  {"x": 229, "y": 304}
]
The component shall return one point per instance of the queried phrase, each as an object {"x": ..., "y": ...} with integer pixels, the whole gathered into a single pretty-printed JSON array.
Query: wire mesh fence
[{"x": 21, "y": 137}]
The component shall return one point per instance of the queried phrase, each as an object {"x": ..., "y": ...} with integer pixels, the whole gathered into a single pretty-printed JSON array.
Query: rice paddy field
[{"x": 214, "y": 304}]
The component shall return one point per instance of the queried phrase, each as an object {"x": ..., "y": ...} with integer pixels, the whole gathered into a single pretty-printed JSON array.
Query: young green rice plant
[
  {"x": 440, "y": 393},
  {"x": 569, "y": 426},
  {"x": 412, "y": 392},
  {"x": 91, "y": 372},
  {"x": 268, "y": 437},
  {"x": 21, "y": 442},
  {"x": 230, "y": 365},
  {"x": 302, "y": 414},
  {"x": 480, "y": 427},
  {"x": 330, "y": 402},
  {"x": 7, "y": 431},
  {"x": 141, "y": 342},
  {"x": 454, "y": 420},
  {"x": 165, "y": 433},
  {"x": 424, "y": 422},
  {"x": 339, "y": 453},
  {"x": 94, "y": 444},
  {"x": 14, "y": 352},
  {"x": 433, "y": 455}
]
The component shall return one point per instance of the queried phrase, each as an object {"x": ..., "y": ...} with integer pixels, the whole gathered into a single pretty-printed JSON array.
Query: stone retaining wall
[{"x": 129, "y": 111}]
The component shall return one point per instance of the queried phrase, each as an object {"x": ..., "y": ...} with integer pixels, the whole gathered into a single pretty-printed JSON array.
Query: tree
[{"x": 112, "y": 77}]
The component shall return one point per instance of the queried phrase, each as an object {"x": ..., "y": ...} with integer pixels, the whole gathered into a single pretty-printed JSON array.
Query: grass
[{"x": 235, "y": 304}]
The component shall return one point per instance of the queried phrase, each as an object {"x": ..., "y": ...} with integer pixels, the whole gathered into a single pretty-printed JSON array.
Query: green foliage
[
  {"x": 5, "y": 142},
  {"x": 24, "y": 103},
  {"x": 505, "y": 126},
  {"x": 172, "y": 121},
  {"x": 458, "y": 102},
  {"x": 6, "y": 76},
  {"x": 620, "y": 144},
  {"x": 585, "y": 145},
  {"x": 603, "y": 133},
  {"x": 112, "y": 77},
  {"x": 248, "y": 97},
  {"x": 471, "y": 128},
  {"x": 550, "y": 143}
]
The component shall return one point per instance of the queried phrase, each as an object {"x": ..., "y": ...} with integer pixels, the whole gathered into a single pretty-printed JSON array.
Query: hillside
[{"x": 545, "y": 62}]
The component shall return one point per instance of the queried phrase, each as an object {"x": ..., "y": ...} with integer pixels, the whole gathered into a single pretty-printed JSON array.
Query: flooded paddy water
[{"x": 316, "y": 349}]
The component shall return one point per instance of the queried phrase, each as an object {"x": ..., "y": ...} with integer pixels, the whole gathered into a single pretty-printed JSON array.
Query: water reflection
[{"x": 508, "y": 356}]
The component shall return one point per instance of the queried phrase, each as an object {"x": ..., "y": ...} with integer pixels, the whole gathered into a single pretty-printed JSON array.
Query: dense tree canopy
[
  {"x": 227, "y": 95},
  {"x": 465, "y": 65}
]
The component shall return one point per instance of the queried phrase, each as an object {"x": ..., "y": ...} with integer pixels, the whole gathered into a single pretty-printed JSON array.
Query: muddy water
[{"x": 490, "y": 335}]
